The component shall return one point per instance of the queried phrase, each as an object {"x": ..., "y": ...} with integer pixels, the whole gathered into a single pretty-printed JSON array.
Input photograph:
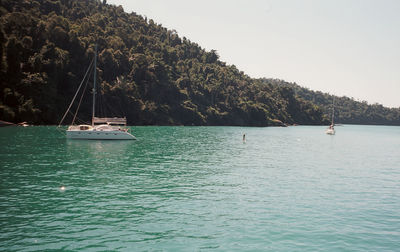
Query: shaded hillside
[
  {"x": 347, "y": 110},
  {"x": 146, "y": 72}
]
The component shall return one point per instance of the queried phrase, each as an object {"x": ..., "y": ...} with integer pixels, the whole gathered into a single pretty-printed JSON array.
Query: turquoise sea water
[{"x": 202, "y": 189}]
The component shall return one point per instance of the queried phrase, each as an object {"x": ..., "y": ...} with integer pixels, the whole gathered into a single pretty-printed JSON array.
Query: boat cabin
[{"x": 110, "y": 120}]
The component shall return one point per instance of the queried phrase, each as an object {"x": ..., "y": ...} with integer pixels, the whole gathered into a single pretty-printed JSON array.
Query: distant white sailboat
[
  {"x": 331, "y": 129},
  {"x": 106, "y": 128}
]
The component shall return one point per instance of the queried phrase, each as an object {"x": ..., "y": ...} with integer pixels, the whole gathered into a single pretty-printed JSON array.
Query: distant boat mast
[{"x": 333, "y": 110}]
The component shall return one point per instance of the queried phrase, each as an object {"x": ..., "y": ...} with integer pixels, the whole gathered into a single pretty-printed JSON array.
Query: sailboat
[
  {"x": 102, "y": 128},
  {"x": 331, "y": 129}
]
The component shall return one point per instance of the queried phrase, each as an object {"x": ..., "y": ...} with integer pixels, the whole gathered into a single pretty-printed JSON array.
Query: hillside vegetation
[
  {"x": 145, "y": 72},
  {"x": 347, "y": 110}
]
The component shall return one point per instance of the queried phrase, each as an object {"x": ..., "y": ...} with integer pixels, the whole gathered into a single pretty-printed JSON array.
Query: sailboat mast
[
  {"x": 94, "y": 84},
  {"x": 333, "y": 110}
]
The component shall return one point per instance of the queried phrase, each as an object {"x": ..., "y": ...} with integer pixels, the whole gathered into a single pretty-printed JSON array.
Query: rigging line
[
  {"x": 79, "y": 119},
  {"x": 70, "y": 112},
  {"x": 80, "y": 101},
  {"x": 59, "y": 130},
  {"x": 90, "y": 66}
]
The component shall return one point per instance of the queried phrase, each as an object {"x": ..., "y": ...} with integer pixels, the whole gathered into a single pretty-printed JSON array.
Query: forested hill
[
  {"x": 347, "y": 110},
  {"x": 145, "y": 71}
]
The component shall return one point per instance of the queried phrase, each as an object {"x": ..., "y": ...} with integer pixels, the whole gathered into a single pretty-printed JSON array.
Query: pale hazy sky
[{"x": 343, "y": 47}]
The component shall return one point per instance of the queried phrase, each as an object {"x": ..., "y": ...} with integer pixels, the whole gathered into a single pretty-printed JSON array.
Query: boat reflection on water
[{"x": 98, "y": 148}]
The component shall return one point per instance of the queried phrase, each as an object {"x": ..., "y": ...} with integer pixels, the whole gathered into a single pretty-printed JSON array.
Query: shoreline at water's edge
[{"x": 177, "y": 125}]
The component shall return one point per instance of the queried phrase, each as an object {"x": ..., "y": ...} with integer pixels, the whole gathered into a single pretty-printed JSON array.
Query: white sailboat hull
[
  {"x": 330, "y": 131},
  {"x": 99, "y": 135}
]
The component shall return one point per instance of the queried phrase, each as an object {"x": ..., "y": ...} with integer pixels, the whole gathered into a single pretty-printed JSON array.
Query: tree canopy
[
  {"x": 347, "y": 110},
  {"x": 146, "y": 72}
]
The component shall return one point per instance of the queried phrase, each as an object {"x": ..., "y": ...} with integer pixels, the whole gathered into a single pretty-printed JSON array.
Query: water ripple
[{"x": 201, "y": 188}]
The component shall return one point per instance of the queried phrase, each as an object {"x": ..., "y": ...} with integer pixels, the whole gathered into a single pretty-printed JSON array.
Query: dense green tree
[
  {"x": 147, "y": 72},
  {"x": 347, "y": 110}
]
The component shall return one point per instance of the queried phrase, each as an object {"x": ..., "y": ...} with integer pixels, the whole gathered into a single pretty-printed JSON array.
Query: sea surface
[{"x": 201, "y": 189}]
